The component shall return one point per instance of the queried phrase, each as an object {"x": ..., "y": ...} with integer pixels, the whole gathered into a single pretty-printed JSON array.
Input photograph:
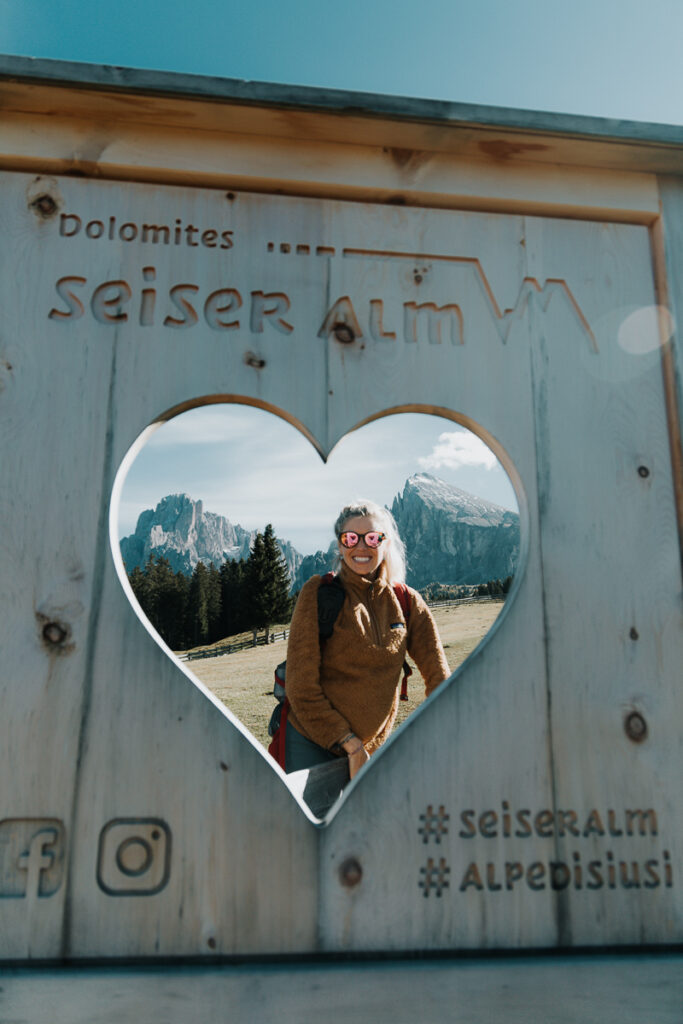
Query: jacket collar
[{"x": 352, "y": 582}]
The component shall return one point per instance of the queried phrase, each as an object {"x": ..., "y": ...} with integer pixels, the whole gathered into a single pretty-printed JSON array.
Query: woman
[{"x": 344, "y": 693}]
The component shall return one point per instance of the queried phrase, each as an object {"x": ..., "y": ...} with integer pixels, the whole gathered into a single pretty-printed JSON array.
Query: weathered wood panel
[
  {"x": 104, "y": 95},
  {"x": 613, "y": 631},
  {"x": 52, "y": 505},
  {"x": 350, "y": 170},
  {"x": 668, "y": 255},
  {"x": 441, "y": 765},
  {"x": 115, "y": 706},
  {"x": 176, "y": 835}
]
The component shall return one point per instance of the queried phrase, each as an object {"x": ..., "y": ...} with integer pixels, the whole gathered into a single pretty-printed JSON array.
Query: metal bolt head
[
  {"x": 45, "y": 205},
  {"x": 634, "y": 634},
  {"x": 254, "y": 361},
  {"x": 54, "y": 633},
  {"x": 643, "y": 472},
  {"x": 344, "y": 333},
  {"x": 350, "y": 872},
  {"x": 635, "y": 727}
]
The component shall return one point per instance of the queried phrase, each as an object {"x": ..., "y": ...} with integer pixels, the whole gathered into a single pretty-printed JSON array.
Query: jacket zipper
[{"x": 373, "y": 619}]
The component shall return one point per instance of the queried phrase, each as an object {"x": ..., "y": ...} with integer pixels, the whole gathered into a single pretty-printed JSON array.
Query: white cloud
[
  {"x": 214, "y": 424},
  {"x": 455, "y": 449},
  {"x": 254, "y": 468}
]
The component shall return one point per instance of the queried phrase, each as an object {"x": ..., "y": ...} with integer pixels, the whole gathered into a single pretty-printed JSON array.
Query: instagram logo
[{"x": 134, "y": 857}]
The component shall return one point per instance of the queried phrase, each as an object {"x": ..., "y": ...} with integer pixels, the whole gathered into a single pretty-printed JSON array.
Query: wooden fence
[
  {"x": 262, "y": 641},
  {"x": 242, "y": 645}
]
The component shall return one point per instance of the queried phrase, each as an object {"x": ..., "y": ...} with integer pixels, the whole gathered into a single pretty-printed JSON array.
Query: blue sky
[
  {"x": 250, "y": 466},
  {"x": 611, "y": 58},
  {"x": 607, "y": 58}
]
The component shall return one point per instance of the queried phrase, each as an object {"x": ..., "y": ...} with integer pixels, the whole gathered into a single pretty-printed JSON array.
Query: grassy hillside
[{"x": 244, "y": 680}]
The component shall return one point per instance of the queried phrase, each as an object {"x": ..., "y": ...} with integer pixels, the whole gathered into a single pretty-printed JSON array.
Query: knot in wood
[
  {"x": 343, "y": 333},
  {"x": 635, "y": 727},
  {"x": 350, "y": 872}
]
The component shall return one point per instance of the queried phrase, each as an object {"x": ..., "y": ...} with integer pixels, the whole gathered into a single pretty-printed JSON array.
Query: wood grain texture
[
  {"x": 667, "y": 246},
  {"x": 180, "y": 838},
  {"x": 319, "y": 166},
  {"x": 152, "y": 98},
  {"x": 603, "y": 419}
]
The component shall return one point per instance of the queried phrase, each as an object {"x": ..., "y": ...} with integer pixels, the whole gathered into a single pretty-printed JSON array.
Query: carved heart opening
[{"x": 196, "y": 490}]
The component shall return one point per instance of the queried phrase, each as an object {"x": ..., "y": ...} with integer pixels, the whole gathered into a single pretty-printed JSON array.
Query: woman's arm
[
  {"x": 424, "y": 643},
  {"x": 312, "y": 710}
]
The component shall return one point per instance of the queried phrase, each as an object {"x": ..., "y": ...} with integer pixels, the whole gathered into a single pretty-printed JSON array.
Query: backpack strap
[
  {"x": 403, "y": 595},
  {"x": 330, "y": 600},
  {"x": 277, "y": 745}
]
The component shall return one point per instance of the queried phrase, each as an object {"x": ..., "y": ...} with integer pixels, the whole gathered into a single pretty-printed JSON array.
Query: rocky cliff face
[
  {"x": 180, "y": 530},
  {"x": 320, "y": 563},
  {"x": 450, "y": 537},
  {"x": 453, "y": 537}
]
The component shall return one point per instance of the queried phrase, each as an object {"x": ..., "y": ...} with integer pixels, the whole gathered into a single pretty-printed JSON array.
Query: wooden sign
[{"x": 533, "y": 801}]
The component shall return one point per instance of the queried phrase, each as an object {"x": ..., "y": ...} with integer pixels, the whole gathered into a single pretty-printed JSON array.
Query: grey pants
[{"x": 302, "y": 753}]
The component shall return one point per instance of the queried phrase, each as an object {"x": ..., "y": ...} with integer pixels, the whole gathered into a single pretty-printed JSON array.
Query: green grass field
[{"x": 244, "y": 680}]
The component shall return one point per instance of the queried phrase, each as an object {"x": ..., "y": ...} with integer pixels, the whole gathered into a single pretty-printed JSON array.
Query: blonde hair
[{"x": 395, "y": 555}]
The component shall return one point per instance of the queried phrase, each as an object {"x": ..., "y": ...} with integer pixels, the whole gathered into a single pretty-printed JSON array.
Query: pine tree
[
  {"x": 199, "y": 606},
  {"x": 279, "y": 601},
  {"x": 155, "y": 571},
  {"x": 166, "y": 613},
  {"x": 155, "y": 587},
  {"x": 266, "y": 583},
  {"x": 138, "y": 582},
  {"x": 254, "y": 585},
  {"x": 213, "y": 603},
  {"x": 182, "y": 599},
  {"x": 233, "y": 618}
]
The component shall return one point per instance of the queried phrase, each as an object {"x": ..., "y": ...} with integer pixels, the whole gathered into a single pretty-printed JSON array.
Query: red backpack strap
[
  {"x": 403, "y": 595},
  {"x": 276, "y": 747},
  {"x": 280, "y": 757}
]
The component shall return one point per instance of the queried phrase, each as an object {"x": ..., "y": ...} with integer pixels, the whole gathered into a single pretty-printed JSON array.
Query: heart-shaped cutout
[{"x": 196, "y": 490}]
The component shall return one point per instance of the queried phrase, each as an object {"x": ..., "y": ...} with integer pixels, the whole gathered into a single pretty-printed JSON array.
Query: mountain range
[
  {"x": 180, "y": 530},
  {"x": 450, "y": 536}
]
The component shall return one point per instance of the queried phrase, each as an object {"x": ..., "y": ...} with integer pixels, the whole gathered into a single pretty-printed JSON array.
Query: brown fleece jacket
[{"x": 353, "y": 685}]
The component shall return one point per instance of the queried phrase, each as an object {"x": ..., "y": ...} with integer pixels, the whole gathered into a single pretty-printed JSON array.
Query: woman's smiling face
[{"x": 362, "y": 559}]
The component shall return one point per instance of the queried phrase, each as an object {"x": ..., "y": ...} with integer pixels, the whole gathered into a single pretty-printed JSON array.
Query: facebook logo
[{"x": 31, "y": 857}]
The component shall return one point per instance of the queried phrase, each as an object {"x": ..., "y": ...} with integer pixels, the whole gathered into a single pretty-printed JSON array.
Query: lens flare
[{"x": 645, "y": 330}]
